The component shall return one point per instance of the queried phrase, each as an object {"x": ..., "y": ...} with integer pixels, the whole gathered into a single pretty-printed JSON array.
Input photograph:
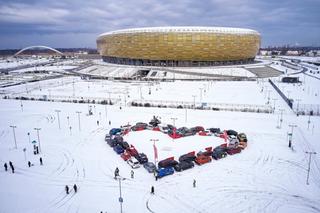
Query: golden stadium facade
[{"x": 179, "y": 46}]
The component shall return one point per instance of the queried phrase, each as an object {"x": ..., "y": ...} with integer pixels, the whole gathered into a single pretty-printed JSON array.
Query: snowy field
[{"x": 266, "y": 177}]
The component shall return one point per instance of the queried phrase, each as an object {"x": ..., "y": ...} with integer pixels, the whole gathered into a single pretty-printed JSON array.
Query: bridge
[{"x": 38, "y": 47}]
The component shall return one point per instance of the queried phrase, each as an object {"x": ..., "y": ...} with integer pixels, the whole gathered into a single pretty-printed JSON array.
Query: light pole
[
  {"x": 291, "y": 134},
  {"x": 78, "y": 112},
  {"x": 280, "y": 122},
  {"x": 309, "y": 153},
  {"x": 106, "y": 110},
  {"x": 58, "y": 111},
  {"x": 174, "y": 121},
  {"x": 194, "y": 101},
  {"x": 68, "y": 120},
  {"x": 288, "y": 94},
  {"x": 200, "y": 94},
  {"x": 120, "y": 197},
  {"x": 21, "y": 105},
  {"x": 298, "y": 100},
  {"x": 29, "y": 137},
  {"x": 186, "y": 115},
  {"x": 269, "y": 96},
  {"x": 309, "y": 121},
  {"x": 37, "y": 129},
  {"x": 14, "y": 135},
  {"x": 274, "y": 104}
]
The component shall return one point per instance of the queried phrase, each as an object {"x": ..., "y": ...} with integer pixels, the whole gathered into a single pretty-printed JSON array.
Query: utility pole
[
  {"x": 200, "y": 94},
  {"x": 106, "y": 109},
  {"x": 298, "y": 100},
  {"x": 29, "y": 137},
  {"x": 14, "y": 135},
  {"x": 269, "y": 96},
  {"x": 37, "y": 129},
  {"x": 58, "y": 111},
  {"x": 186, "y": 115},
  {"x": 291, "y": 134},
  {"x": 174, "y": 121},
  {"x": 120, "y": 197},
  {"x": 309, "y": 153},
  {"x": 79, "y": 112},
  {"x": 281, "y": 119},
  {"x": 194, "y": 101},
  {"x": 309, "y": 121},
  {"x": 21, "y": 105},
  {"x": 274, "y": 104}
]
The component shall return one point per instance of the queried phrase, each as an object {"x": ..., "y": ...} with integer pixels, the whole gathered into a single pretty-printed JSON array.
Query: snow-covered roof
[{"x": 195, "y": 29}]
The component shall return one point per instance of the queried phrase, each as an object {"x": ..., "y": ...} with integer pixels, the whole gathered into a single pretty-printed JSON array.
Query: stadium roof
[{"x": 195, "y": 29}]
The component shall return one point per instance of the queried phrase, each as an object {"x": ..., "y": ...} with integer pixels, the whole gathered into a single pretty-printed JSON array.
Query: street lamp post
[
  {"x": 120, "y": 197},
  {"x": 298, "y": 101},
  {"x": 281, "y": 119},
  {"x": 79, "y": 112},
  {"x": 29, "y": 137},
  {"x": 58, "y": 111},
  {"x": 274, "y": 104},
  {"x": 194, "y": 101},
  {"x": 291, "y": 134},
  {"x": 174, "y": 121},
  {"x": 14, "y": 135},
  {"x": 309, "y": 121},
  {"x": 37, "y": 129},
  {"x": 309, "y": 153},
  {"x": 200, "y": 94}
]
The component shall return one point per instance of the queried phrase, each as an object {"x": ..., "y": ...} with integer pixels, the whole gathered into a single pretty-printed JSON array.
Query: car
[
  {"x": 114, "y": 131},
  {"x": 118, "y": 149},
  {"x": 197, "y": 129},
  {"x": 107, "y": 137},
  {"x": 207, "y": 152},
  {"x": 187, "y": 157},
  {"x": 214, "y": 130},
  {"x": 133, "y": 163},
  {"x": 164, "y": 172},
  {"x": 142, "y": 158},
  {"x": 150, "y": 167},
  {"x": 202, "y": 159},
  {"x": 132, "y": 150},
  {"x": 124, "y": 144},
  {"x": 242, "y": 137},
  {"x": 232, "y": 151},
  {"x": 125, "y": 155},
  {"x": 169, "y": 162},
  {"x": 112, "y": 142},
  {"x": 183, "y": 165},
  {"x": 118, "y": 139},
  {"x": 232, "y": 132},
  {"x": 219, "y": 152}
]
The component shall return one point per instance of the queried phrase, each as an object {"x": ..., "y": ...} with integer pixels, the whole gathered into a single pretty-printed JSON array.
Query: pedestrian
[
  {"x": 194, "y": 183},
  {"x": 98, "y": 123},
  {"x": 5, "y": 167},
  {"x": 67, "y": 189},
  {"x": 290, "y": 144},
  {"x": 152, "y": 190},
  {"x": 29, "y": 163},
  {"x": 37, "y": 150},
  {"x": 41, "y": 163},
  {"x": 75, "y": 188},
  {"x": 116, "y": 173},
  {"x": 11, "y": 166},
  {"x": 132, "y": 174},
  {"x": 109, "y": 122}
]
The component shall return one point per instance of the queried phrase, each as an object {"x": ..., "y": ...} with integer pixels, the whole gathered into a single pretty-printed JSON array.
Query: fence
[{"x": 203, "y": 106}]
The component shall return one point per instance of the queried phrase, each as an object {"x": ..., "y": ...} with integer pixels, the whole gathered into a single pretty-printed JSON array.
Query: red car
[
  {"x": 202, "y": 159},
  {"x": 232, "y": 151},
  {"x": 125, "y": 156},
  {"x": 132, "y": 151}
]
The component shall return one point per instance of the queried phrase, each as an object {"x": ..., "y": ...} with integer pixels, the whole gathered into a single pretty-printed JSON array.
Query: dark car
[
  {"x": 114, "y": 131},
  {"x": 183, "y": 165},
  {"x": 197, "y": 129},
  {"x": 139, "y": 126},
  {"x": 118, "y": 139},
  {"x": 132, "y": 150},
  {"x": 112, "y": 142},
  {"x": 215, "y": 130},
  {"x": 150, "y": 167},
  {"x": 232, "y": 132},
  {"x": 169, "y": 162},
  {"x": 124, "y": 144},
  {"x": 187, "y": 157},
  {"x": 118, "y": 149},
  {"x": 219, "y": 152},
  {"x": 142, "y": 158},
  {"x": 164, "y": 172}
]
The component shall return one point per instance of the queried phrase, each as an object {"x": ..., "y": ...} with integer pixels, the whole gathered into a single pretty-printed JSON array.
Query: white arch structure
[{"x": 38, "y": 47}]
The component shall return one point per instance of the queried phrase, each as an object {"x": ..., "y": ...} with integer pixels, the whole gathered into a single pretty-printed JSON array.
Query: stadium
[{"x": 179, "y": 46}]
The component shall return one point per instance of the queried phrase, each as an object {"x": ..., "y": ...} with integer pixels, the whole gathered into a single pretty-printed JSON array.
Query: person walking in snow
[
  {"x": 5, "y": 167},
  {"x": 109, "y": 122},
  {"x": 194, "y": 183},
  {"x": 41, "y": 163},
  {"x": 75, "y": 188},
  {"x": 67, "y": 189},
  {"x": 116, "y": 173},
  {"x": 132, "y": 174},
  {"x": 152, "y": 190},
  {"x": 29, "y": 163},
  {"x": 11, "y": 166}
]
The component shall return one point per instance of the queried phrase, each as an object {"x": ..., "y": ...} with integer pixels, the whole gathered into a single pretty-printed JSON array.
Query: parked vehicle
[
  {"x": 169, "y": 162},
  {"x": 124, "y": 144},
  {"x": 142, "y": 158},
  {"x": 125, "y": 155},
  {"x": 118, "y": 139},
  {"x": 114, "y": 131},
  {"x": 219, "y": 152},
  {"x": 118, "y": 149},
  {"x": 139, "y": 126},
  {"x": 164, "y": 172},
  {"x": 207, "y": 152},
  {"x": 197, "y": 129},
  {"x": 232, "y": 151},
  {"x": 150, "y": 167},
  {"x": 232, "y": 132},
  {"x": 202, "y": 159},
  {"x": 242, "y": 137},
  {"x": 183, "y": 165},
  {"x": 112, "y": 142},
  {"x": 187, "y": 157},
  {"x": 107, "y": 137},
  {"x": 233, "y": 142},
  {"x": 215, "y": 130},
  {"x": 132, "y": 150},
  {"x": 133, "y": 163}
]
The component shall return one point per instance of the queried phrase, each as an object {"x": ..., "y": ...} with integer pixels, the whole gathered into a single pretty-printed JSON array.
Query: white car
[{"x": 134, "y": 163}]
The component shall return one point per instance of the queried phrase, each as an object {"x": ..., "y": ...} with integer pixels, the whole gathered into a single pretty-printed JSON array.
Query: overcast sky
[{"x": 77, "y": 23}]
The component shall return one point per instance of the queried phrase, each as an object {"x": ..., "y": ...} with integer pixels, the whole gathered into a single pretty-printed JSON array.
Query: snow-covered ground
[{"x": 266, "y": 177}]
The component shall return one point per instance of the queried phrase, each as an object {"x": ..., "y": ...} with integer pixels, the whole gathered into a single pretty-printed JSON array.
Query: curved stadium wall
[{"x": 179, "y": 46}]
